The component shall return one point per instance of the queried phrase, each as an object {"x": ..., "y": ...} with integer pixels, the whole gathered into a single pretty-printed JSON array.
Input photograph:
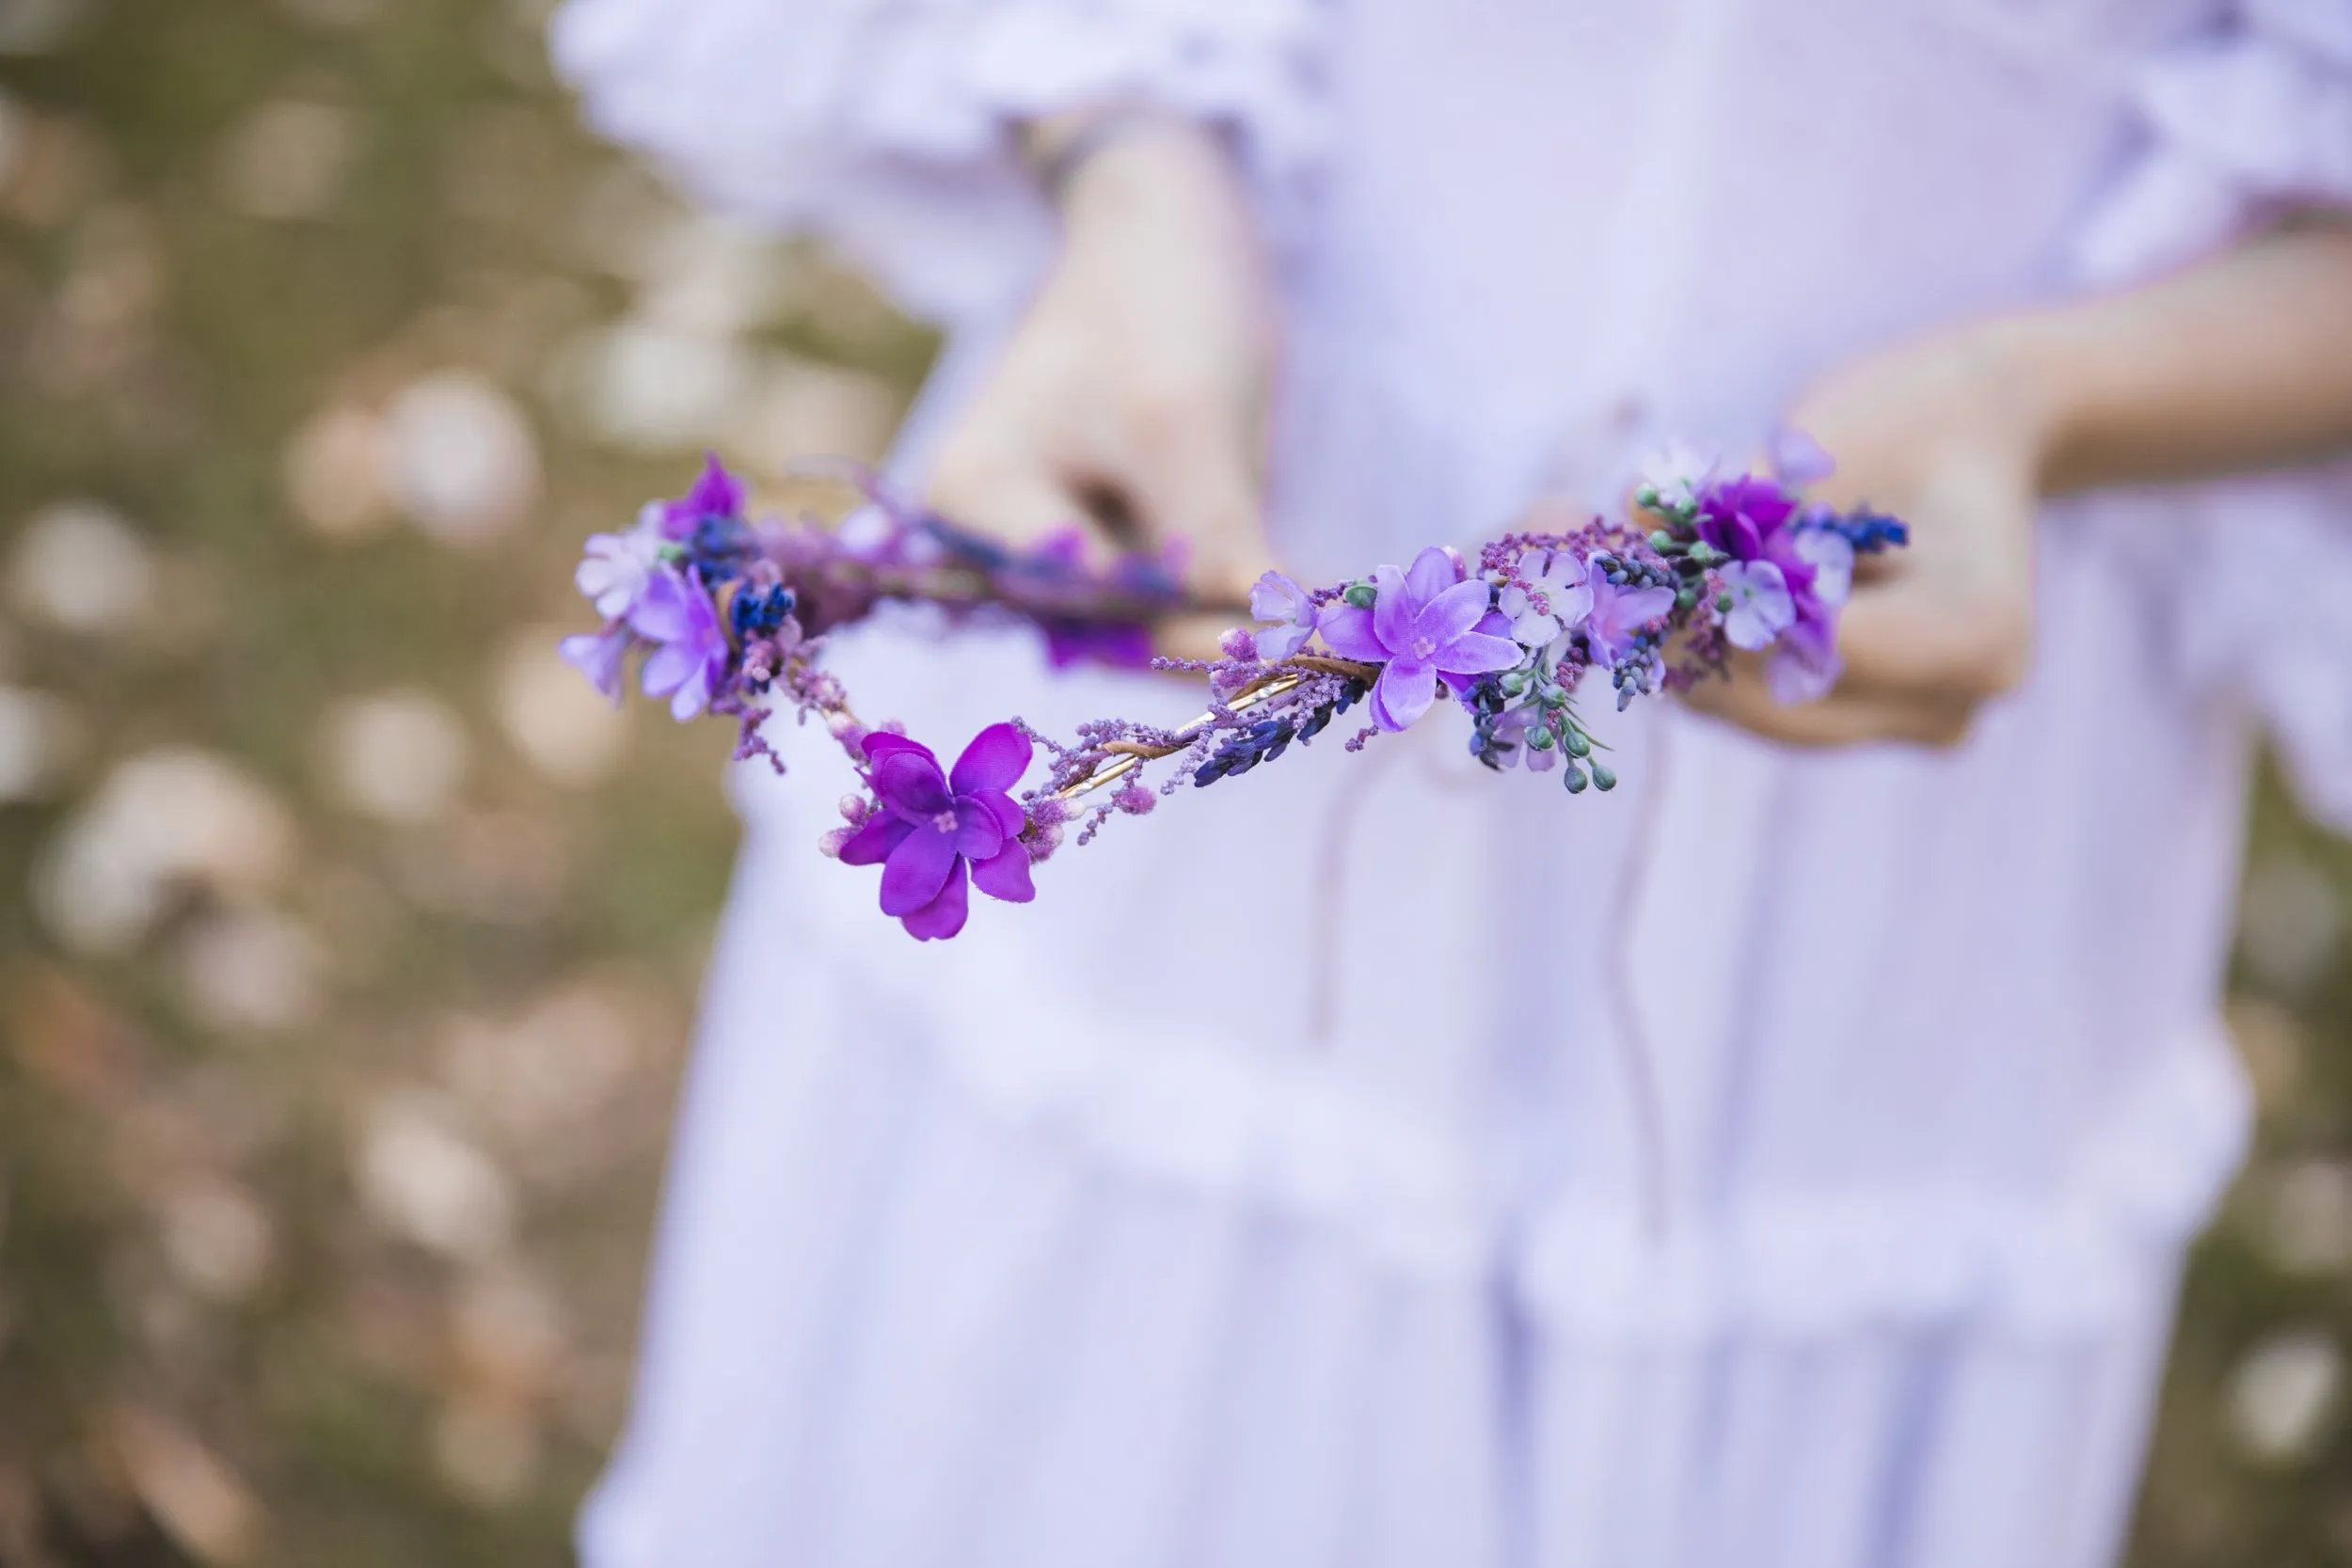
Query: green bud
[
  {"x": 1603, "y": 780},
  {"x": 1513, "y": 682},
  {"x": 1541, "y": 740},
  {"x": 1685, "y": 599},
  {"x": 1723, "y": 602},
  {"x": 1576, "y": 781},
  {"x": 1362, "y": 595},
  {"x": 1576, "y": 745}
]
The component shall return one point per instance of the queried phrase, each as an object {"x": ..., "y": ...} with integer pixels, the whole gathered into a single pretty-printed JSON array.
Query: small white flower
[
  {"x": 1831, "y": 555},
  {"x": 1547, "y": 596},
  {"x": 616, "y": 567},
  {"x": 1760, "y": 609},
  {"x": 1678, "y": 472}
]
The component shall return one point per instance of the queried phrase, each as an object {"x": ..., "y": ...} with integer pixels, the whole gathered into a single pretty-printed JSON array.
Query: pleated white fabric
[{"x": 1785, "y": 1159}]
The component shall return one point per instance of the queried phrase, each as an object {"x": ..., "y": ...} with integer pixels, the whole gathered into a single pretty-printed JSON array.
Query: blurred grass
[{"x": 374, "y": 1391}]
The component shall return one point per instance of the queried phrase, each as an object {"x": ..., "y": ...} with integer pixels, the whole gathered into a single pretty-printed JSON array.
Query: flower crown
[{"x": 733, "y": 614}]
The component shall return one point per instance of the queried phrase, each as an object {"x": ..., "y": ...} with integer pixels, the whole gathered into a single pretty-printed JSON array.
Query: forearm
[{"x": 2242, "y": 363}]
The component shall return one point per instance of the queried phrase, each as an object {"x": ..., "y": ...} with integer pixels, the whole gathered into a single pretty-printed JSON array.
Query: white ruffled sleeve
[
  {"x": 2246, "y": 124},
  {"x": 886, "y": 123},
  {"x": 2243, "y": 126}
]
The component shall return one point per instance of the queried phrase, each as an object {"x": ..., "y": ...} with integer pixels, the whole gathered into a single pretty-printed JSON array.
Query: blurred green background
[{"x": 348, "y": 944}]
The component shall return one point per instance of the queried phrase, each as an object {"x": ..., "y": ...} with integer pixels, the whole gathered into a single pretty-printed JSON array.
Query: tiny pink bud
[
  {"x": 855, "y": 810},
  {"x": 829, "y": 844},
  {"x": 1136, "y": 800},
  {"x": 1238, "y": 644}
]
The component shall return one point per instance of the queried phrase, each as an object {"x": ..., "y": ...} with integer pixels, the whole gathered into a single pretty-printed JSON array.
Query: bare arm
[{"x": 2242, "y": 363}]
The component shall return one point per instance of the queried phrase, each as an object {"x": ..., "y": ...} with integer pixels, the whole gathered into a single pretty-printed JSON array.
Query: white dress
[{"x": 1785, "y": 1159}]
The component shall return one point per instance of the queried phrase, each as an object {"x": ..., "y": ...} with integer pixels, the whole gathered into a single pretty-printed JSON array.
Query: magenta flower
[
  {"x": 1422, "y": 625},
  {"x": 929, "y": 825},
  {"x": 689, "y": 664},
  {"x": 716, "y": 494},
  {"x": 1619, "y": 615}
]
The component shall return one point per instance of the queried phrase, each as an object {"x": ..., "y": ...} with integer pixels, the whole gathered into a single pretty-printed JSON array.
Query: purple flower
[
  {"x": 929, "y": 825},
  {"x": 1619, "y": 614},
  {"x": 688, "y": 663},
  {"x": 1797, "y": 460},
  {"x": 716, "y": 494},
  {"x": 1830, "y": 554},
  {"x": 1760, "y": 609},
  {"x": 1422, "y": 625},
  {"x": 1741, "y": 516},
  {"x": 615, "y": 567},
  {"x": 1277, "y": 598},
  {"x": 597, "y": 655},
  {"x": 1515, "y": 732},
  {"x": 1547, "y": 596},
  {"x": 1805, "y": 663}
]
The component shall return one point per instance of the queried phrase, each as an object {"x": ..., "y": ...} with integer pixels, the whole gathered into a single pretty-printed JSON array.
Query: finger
[
  {"x": 1837, "y": 719},
  {"x": 1192, "y": 481},
  {"x": 1901, "y": 640},
  {"x": 1019, "y": 503}
]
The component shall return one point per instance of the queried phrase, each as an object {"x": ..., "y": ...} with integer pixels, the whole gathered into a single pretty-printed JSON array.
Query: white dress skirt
[{"x": 1784, "y": 1161}]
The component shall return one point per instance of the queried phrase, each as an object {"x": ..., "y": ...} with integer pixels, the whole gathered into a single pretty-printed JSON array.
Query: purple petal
[
  {"x": 1006, "y": 875},
  {"x": 597, "y": 656},
  {"x": 871, "y": 845},
  {"x": 977, "y": 835},
  {"x": 1474, "y": 653},
  {"x": 880, "y": 743},
  {"x": 1276, "y": 597},
  {"x": 909, "y": 781},
  {"x": 1643, "y": 606},
  {"x": 668, "y": 669},
  {"x": 664, "y": 612},
  {"x": 1431, "y": 573},
  {"x": 1280, "y": 641},
  {"x": 1798, "y": 459},
  {"x": 943, "y": 916},
  {"x": 1403, "y": 693},
  {"x": 1393, "y": 609},
  {"x": 1351, "y": 632},
  {"x": 1450, "y": 613},
  {"x": 916, "y": 869},
  {"x": 716, "y": 494},
  {"x": 1010, "y": 818},
  {"x": 692, "y": 696},
  {"x": 997, "y": 758}
]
